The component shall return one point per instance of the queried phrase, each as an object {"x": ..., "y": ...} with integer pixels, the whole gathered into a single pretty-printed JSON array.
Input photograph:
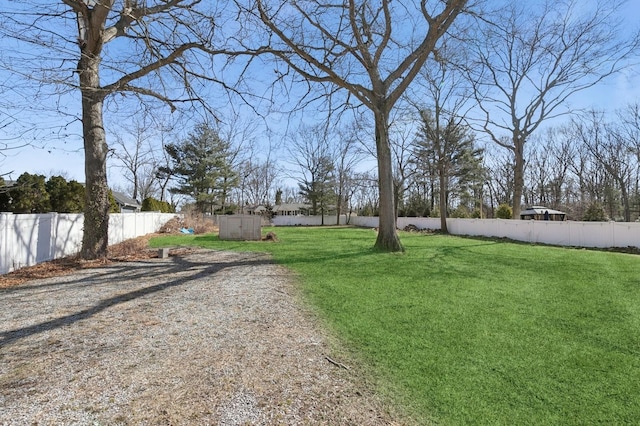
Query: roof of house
[
  {"x": 124, "y": 200},
  {"x": 291, "y": 207},
  {"x": 533, "y": 210}
]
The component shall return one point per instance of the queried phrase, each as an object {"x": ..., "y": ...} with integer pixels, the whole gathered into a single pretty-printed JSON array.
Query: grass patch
[{"x": 476, "y": 331}]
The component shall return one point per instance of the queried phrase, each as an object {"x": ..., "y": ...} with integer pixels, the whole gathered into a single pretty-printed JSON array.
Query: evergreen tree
[
  {"x": 65, "y": 197},
  {"x": 5, "y": 205},
  {"x": 595, "y": 213},
  {"x": 29, "y": 195},
  {"x": 113, "y": 204},
  {"x": 319, "y": 190},
  {"x": 202, "y": 168},
  {"x": 449, "y": 147},
  {"x": 151, "y": 204}
]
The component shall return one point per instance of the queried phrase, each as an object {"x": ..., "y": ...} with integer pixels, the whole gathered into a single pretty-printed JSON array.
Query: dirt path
[{"x": 206, "y": 338}]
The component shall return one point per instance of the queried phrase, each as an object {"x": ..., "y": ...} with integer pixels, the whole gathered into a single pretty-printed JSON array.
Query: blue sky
[{"x": 67, "y": 158}]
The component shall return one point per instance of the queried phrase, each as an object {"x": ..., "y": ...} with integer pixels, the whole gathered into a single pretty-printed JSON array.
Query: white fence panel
[
  {"x": 67, "y": 235},
  {"x": 626, "y": 234},
  {"x": 423, "y": 223},
  {"x": 365, "y": 221},
  {"x": 307, "y": 220},
  {"x": 27, "y": 239},
  {"x": 568, "y": 233},
  {"x": 549, "y": 232},
  {"x": 591, "y": 234},
  {"x": 116, "y": 227}
]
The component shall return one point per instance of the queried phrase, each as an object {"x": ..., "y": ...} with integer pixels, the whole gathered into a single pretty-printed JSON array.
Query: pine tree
[
  {"x": 29, "y": 195},
  {"x": 449, "y": 147},
  {"x": 202, "y": 168}
]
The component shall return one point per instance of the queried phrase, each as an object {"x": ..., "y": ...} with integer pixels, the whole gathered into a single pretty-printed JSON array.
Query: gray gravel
[{"x": 206, "y": 338}]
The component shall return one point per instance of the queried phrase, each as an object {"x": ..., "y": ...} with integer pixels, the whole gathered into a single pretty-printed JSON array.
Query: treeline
[
  {"x": 32, "y": 193},
  {"x": 588, "y": 167},
  {"x": 37, "y": 194}
]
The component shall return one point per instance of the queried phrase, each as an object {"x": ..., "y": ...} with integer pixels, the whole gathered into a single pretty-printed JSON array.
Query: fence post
[
  {"x": 53, "y": 236},
  {"x": 4, "y": 242},
  {"x": 612, "y": 227}
]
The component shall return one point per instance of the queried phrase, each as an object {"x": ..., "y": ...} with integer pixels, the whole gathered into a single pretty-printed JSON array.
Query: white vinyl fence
[
  {"x": 568, "y": 233},
  {"x": 27, "y": 239},
  {"x": 307, "y": 220}
]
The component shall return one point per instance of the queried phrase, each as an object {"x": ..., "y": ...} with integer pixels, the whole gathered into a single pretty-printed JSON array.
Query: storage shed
[
  {"x": 125, "y": 203},
  {"x": 542, "y": 213},
  {"x": 240, "y": 227}
]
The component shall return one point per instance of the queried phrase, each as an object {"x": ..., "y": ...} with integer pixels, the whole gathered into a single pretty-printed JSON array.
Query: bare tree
[
  {"x": 500, "y": 179},
  {"x": 538, "y": 177},
  {"x": 373, "y": 51},
  {"x": 257, "y": 180},
  {"x": 15, "y": 132},
  {"x": 611, "y": 152},
  {"x": 560, "y": 186},
  {"x": 310, "y": 150},
  {"x": 259, "y": 173},
  {"x": 550, "y": 159},
  {"x": 291, "y": 194},
  {"x": 401, "y": 139},
  {"x": 532, "y": 59},
  {"x": 629, "y": 131},
  {"x": 136, "y": 157},
  {"x": 162, "y": 163},
  {"x": 367, "y": 198},
  {"x": 347, "y": 156},
  {"x": 156, "y": 51},
  {"x": 629, "y": 119},
  {"x": 590, "y": 176}
]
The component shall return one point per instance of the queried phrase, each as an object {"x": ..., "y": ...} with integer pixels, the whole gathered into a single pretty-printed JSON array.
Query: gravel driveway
[{"x": 204, "y": 338}]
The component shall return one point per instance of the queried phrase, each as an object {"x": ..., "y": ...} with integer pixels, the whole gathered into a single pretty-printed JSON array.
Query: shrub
[
  {"x": 461, "y": 212},
  {"x": 114, "y": 208},
  {"x": 595, "y": 213},
  {"x": 150, "y": 204},
  {"x": 504, "y": 212}
]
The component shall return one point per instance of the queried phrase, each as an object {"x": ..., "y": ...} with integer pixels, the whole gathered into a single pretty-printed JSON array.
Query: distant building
[
  {"x": 291, "y": 209},
  {"x": 542, "y": 213},
  {"x": 126, "y": 204},
  {"x": 256, "y": 210}
]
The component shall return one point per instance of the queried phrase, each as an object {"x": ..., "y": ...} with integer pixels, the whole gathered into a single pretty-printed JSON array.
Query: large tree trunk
[
  {"x": 387, "y": 235},
  {"x": 624, "y": 194},
  {"x": 397, "y": 189},
  {"x": 518, "y": 178},
  {"x": 338, "y": 207},
  {"x": 96, "y": 213},
  {"x": 444, "y": 187}
]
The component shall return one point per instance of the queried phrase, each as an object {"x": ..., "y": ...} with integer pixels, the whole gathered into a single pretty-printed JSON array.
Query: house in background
[
  {"x": 291, "y": 209},
  {"x": 255, "y": 210},
  {"x": 126, "y": 204},
  {"x": 542, "y": 213}
]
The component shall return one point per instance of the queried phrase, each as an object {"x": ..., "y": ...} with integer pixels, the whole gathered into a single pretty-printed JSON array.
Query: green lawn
[{"x": 470, "y": 331}]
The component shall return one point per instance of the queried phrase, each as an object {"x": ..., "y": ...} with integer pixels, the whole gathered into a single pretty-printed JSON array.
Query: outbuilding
[
  {"x": 125, "y": 203},
  {"x": 542, "y": 213}
]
